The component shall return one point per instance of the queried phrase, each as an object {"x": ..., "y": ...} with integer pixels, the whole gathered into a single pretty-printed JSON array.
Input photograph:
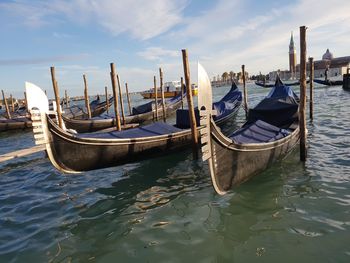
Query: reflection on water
[{"x": 165, "y": 210}]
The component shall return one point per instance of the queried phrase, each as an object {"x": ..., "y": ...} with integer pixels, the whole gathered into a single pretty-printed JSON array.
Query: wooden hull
[
  {"x": 71, "y": 154},
  {"x": 231, "y": 163},
  {"x": 13, "y": 124}
]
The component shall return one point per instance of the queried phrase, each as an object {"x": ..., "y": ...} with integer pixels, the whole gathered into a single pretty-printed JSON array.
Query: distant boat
[
  {"x": 271, "y": 85},
  {"x": 171, "y": 89},
  {"x": 329, "y": 82}
]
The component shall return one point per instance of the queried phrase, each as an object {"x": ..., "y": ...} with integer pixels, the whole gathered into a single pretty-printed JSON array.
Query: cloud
[
  {"x": 158, "y": 53},
  {"x": 42, "y": 60},
  {"x": 141, "y": 19}
]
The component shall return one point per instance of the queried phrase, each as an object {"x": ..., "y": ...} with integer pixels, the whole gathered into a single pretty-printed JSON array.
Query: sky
[{"x": 84, "y": 36}]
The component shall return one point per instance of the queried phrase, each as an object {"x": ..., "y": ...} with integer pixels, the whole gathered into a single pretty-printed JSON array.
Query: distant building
[
  {"x": 336, "y": 66},
  {"x": 292, "y": 57},
  {"x": 333, "y": 67}
]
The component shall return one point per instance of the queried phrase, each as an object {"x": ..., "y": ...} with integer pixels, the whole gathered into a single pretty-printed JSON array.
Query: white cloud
[
  {"x": 158, "y": 53},
  {"x": 141, "y": 19}
]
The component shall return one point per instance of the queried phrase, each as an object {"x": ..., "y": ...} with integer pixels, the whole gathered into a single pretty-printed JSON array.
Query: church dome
[{"x": 327, "y": 56}]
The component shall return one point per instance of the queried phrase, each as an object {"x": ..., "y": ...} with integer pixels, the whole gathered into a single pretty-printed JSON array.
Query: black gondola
[
  {"x": 71, "y": 152},
  {"x": 329, "y": 82},
  {"x": 139, "y": 114},
  {"x": 270, "y": 132}
]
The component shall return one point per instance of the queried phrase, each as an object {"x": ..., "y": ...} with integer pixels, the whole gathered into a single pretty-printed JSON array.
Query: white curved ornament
[{"x": 36, "y": 98}]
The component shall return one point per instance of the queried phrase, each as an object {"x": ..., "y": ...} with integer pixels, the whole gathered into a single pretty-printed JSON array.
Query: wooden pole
[
  {"x": 190, "y": 105},
  {"x": 155, "y": 96},
  {"x": 128, "y": 97},
  {"x": 182, "y": 93},
  {"x": 26, "y": 101},
  {"x": 311, "y": 63},
  {"x": 107, "y": 100},
  {"x": 57, "y": 97},
  {"x": 162, "y": 91},
  {"x": 115, "y": 96},
  {"x": 66, "y": 98},
  {"x": 121, "y": 100},
  {"x": 87, "y": 103},
  {"x": 245, "y": 93},
  {"x": 6, "y": 105},
  {"x": 12, "y": 103},
  {"x": 302, "y": 105}
]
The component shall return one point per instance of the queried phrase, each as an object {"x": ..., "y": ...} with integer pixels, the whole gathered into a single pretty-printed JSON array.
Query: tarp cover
[
  {"x": 258, "y": 132},
  {"x": 154, "y": 129},
  {"x": 279, "y": 108},
  {"x": 228, "y": 104}
]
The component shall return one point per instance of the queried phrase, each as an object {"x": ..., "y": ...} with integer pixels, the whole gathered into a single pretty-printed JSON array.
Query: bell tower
[{"x": 292, "y": 57}]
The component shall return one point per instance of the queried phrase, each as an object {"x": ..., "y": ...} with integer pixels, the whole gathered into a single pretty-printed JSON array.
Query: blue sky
[{"x": 83, "y": 36}]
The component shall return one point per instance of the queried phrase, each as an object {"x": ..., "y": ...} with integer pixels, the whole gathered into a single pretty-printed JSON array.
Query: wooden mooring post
[
  {"x": 121, "y": 100},
  {"x": 190, "y": 105},
  {"x": 57, "y": 97},
  {"x": 311, "y": 99},
  {"x": 115, "y": 96},
  {"x": 26, "y": 101},
  {"x": 107, "y": 100},
  {"x": 86, "y": 96},
  {"x": 12, "y": 103},
  {"x": 182, "y": 93},
  {"x": 6, "y": 105},
  {"x": 155, "y": 97},
  {"x": 66, "y": 98},
  {"x": 162, "y": 92},
  {"x": 302, "y": 105},
  {"x": 128, "y": 97},
  {"x": 346, "y": 80},
  {"x": 245, "y": 93}
]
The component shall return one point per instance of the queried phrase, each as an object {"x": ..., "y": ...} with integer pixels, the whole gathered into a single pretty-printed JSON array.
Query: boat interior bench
[{"x": 258, "y": 132}]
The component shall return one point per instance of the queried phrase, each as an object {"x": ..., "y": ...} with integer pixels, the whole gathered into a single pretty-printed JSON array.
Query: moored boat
[
  {"x": 270, "y": 132},
  {"x": 71, "y": 152}
]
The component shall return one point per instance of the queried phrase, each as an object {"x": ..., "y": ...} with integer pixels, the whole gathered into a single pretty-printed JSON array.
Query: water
[{"x": 165, "y": 210}]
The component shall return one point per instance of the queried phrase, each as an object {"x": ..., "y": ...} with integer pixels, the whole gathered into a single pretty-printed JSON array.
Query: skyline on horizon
[{"x": 84, "y": 36}]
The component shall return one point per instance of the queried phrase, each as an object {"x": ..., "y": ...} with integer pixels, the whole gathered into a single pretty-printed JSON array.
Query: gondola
[
  {"x": 79, "y": 112},
  {"x": 270, "y": 132},
  {"x": 73, "y": 153},
  {"x": 271, "y": 85},
  {"x": 17, "y": 123},
  {"x": 329, "y": 82},
  {"x": 139, "y": 114}
]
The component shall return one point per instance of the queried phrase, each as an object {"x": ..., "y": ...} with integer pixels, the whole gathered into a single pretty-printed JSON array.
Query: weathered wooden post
[
  {"x": 26, "y": 101},
  {"x": 6, "y": 105},
  {"x": 128, "y": 97},
  {"x": 162, "y": 91},
  {"x": 66, "y": 98},
  {"x": 190, "y": 105},
  {"x": 121, "y": 100},
  {"x": 182, "y": 93},
  {"x": 245, "y": 93},
  {"x": 12, "y": 103},
  {"x": 57, "y": 97},
  {"x": 302, "y": 118},
  {"x": 107, "y": 100},
  {"x": 115, "y": 96},
  {"x": 87, "y": 103},
  {"x": 311, "y": 77},
  {"x": 346, "y": 79},
  {"x": 155, "y": 97}
]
